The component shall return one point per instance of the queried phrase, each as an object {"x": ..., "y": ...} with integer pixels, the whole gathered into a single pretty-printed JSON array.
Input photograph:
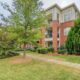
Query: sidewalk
[{"x": 68, "y": 64}]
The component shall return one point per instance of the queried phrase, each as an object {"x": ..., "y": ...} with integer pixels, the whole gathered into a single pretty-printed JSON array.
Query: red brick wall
[
  {"x": 62, "y": 27},
  {"x": 42, "y": 40},
  {"x": 54, "y": 25}
]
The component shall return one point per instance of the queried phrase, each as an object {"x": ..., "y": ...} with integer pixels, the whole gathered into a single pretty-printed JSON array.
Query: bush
[
  {"x": 73, "y": 39},
  {"x": 50, "y": 49},
  {"x": 61, "y": 51},
  {"x": 18, "y": 49},
  {"x": 42, "y": 50},
  {"x": 9, "y": 54},
  {"x": 32, "y": 49}
]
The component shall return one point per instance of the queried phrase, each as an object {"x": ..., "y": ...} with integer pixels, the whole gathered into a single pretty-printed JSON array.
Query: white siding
[{"x": 73, "y": 13}]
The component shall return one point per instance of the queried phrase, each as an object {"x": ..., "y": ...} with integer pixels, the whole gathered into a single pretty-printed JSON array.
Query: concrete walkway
[{"x": 68, "y": 64}]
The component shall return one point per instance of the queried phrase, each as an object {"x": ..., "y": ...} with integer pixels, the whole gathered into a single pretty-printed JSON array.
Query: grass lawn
[
  {"x": 70, "y": 58},
  {"x": 36, "y": 70}
]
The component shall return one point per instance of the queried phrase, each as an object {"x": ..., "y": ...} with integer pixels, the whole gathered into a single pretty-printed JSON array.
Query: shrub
[
  {"x": 50, "y": 49},
  {"x": 62, "y": 50},
  {"x": 12, "y": 53},
  {"x": 9, "y": 54},
  {"x": 32, "y": 49},
  {"x": 73, "y": 39},
  {"x": 18, "y": 49},
  {"x": 42, "y": 50}
]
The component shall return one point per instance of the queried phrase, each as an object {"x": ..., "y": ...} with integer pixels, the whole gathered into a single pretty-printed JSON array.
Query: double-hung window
[{"x": 67, "y": 16}]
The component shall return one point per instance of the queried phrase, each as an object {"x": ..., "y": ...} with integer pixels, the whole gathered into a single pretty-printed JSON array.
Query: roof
[{"x": 56, "y": 5}]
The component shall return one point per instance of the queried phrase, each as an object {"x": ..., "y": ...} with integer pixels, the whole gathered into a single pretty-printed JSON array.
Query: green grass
[
  {"x": 72, "y": 58},
  {"x": 69, "y": 58},
  {"x": 36, "y": 70}
]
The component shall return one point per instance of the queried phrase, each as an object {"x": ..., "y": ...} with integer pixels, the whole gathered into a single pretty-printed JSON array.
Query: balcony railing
[{"x": 48, "y": 33}]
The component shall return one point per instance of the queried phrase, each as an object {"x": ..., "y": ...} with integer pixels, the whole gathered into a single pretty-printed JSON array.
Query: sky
[
  {"x": 61, "y": 3},
  {"x": 46, "y": 3}
]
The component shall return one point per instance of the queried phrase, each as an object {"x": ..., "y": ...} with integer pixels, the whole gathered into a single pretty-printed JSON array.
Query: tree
[
  {"x": 7, "y": 40},
  {"x": 73, "y": 40},
  {"x": 27, "y": 14}
]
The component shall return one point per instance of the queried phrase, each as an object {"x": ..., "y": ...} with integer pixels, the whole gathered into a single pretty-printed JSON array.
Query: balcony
[
  {"x": 48, "y": 39},
  {"x": 48, "y": 33}
]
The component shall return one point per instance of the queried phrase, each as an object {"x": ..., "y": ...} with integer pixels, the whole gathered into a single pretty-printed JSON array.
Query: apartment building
[{"x": 60, "y": 21}]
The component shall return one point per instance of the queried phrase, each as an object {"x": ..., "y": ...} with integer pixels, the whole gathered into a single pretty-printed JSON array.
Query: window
[
  {"x": 58, "y": 34},
  {"x": 76, "y": 15},
  {"x": 58, "y": 42},
  {"x": 58, "y": 17},
  {"x": 67, "y": 16},
  {"x": 48, "y": 33},
  {"x": 66, "y": 31},
  {"x": 49, "y": 18},
  {"x": 49, "y": 44}
]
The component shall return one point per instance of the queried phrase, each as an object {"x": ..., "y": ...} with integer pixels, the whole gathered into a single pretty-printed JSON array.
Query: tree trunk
[{"x": 24, "y": 53}]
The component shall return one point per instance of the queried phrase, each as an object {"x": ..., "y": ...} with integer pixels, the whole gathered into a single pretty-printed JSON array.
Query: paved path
[{"x": 69, "y": 64}]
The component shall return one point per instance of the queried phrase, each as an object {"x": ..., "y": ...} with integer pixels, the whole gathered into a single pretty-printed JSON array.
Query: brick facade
[
  {"x": 62, "y": 27},
  {"x": 42, "y": 40},
  {"x": 55, "y": 25},
  {"x": 60, "y": 21}
]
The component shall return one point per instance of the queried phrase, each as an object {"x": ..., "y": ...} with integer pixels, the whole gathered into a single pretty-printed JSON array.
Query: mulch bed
[{"x": 20, "y": 60}]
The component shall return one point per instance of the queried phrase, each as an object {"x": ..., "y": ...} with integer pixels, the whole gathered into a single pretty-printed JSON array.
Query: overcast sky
[
  {"x": 47, "y": 3},
  {"x": 62, "y": 3}
]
